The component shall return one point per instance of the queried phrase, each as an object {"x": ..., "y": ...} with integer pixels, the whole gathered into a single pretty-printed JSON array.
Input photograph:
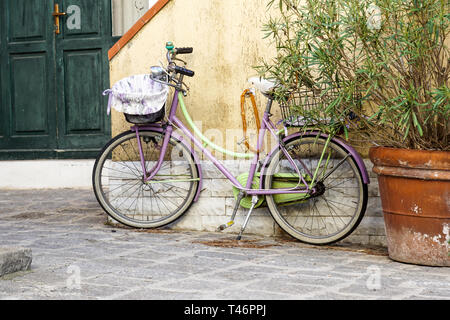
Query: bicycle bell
[{"x": 158, "y": 73}]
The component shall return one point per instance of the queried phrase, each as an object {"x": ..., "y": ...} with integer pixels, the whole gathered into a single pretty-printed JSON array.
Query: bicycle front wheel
[
  {"x": 340, "y": 201},
  {"x": 120, "y": 187}
]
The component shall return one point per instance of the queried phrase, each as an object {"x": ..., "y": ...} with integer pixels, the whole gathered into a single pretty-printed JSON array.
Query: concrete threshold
[{"x": 46, "y": 174}]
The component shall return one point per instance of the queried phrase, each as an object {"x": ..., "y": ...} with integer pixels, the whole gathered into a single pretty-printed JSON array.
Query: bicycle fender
[
  {"x": 197, "y": 162},
  {"x": 356, "y": 156}
]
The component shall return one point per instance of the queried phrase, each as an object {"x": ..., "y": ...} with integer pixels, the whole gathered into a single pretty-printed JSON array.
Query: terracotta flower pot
[{"x": 415, "y": 194}]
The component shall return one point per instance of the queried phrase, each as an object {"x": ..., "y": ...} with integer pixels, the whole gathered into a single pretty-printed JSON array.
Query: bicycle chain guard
[
  {"x": 282, "y": 180},
  {"x": 246, "y": 202}
]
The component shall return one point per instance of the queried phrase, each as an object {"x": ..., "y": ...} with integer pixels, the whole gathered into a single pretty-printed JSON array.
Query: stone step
[{"x": 14, "y": 259}]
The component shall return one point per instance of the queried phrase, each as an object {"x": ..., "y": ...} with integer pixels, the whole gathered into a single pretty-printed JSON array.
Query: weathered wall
[{"x": 227, "y": 41}]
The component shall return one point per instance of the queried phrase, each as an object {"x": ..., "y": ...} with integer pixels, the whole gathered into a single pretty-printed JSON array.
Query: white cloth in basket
[{"x": 137, "y": 95}]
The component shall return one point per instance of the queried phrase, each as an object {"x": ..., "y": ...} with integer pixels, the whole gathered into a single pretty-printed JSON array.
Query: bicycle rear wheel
[
  {"x": 121, "y": 190},
  {"x": 337, "y": 209}
]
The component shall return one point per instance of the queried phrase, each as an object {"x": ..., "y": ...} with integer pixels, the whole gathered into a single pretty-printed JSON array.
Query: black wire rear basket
[{"x": 306, "y": 107}]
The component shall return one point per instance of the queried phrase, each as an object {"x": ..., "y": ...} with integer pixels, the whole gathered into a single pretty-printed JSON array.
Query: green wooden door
[
  {"x": 51, "y": 103},
  {"x": 28, "y": 111},
  {"x": 82, "y": 74}
]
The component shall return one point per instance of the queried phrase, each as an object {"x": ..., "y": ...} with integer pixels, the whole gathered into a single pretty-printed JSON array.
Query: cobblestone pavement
[{"x": 76, "y": 255}]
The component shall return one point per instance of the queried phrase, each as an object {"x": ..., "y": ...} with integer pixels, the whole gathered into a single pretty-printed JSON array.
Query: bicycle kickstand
[
  {"x": 233, "y": 216},
  {"x": 254, "y": 202}
]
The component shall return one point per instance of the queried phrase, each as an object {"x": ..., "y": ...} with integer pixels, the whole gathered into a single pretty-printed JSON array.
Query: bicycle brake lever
[
  {"x": 178, "y": 59},
  {"x": 162, "y": 66}
]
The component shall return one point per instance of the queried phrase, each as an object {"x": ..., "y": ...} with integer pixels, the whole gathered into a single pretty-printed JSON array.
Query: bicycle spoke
[
  {"x": 336, "y": 214},
  {"x": 121, "y": 186},
  {"x": 136, "y": 184},
  {"x": 129, "y": 158}
]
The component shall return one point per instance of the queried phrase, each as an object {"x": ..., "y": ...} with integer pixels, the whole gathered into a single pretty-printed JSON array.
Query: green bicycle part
[
  {"x": 246, "y": 202},
  {"x": 170, "y": 46},
  {"x": 205, "y": 140},
  {"x": 321, "y": 158},
  {"x": 281, "y": 181}
]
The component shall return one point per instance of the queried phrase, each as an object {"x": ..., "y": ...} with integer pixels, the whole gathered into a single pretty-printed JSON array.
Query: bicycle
[{"x": 314, "y": 185}]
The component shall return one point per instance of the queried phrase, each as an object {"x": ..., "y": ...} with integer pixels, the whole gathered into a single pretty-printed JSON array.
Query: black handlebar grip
[
  {"x": 184, "y": 50},
  {"x": 184, "y": 71}
]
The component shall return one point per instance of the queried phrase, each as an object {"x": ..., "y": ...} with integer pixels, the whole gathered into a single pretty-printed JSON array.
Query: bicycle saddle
[{"x": 263, "y": 85}]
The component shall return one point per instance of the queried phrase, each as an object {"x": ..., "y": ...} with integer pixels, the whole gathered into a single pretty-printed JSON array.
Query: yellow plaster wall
[{"x": 228, "y": 40}]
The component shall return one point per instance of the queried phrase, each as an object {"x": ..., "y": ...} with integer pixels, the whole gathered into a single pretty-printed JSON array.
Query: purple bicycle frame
[{"x": 267, "y": 124}]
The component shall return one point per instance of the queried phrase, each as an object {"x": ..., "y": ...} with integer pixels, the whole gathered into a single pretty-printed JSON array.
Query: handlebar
[
  {"x": 184, "y": 50},
  {"x": 184, "y": 71},
  {"x": 171, "y": 54}
]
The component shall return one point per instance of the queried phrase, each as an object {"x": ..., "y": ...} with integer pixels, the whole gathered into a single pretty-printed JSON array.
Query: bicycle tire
[
  {"x": 154, "y": 210},
  {"x": 293, "y": 218}
]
